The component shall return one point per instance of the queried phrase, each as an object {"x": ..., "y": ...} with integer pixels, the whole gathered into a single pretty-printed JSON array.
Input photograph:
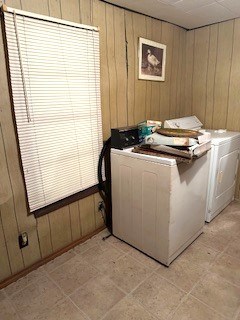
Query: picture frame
[{"x": 152, "y": 60}]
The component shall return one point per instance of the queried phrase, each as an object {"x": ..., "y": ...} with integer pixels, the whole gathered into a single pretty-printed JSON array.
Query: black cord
[{"x": 105, "y": 186}]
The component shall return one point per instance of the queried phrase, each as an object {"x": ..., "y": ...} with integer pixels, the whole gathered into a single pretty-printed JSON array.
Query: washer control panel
[{"x": 124, "y": 137}]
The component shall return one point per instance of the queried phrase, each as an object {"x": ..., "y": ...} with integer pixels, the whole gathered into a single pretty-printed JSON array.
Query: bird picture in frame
[{"x": 152, "y": 60}]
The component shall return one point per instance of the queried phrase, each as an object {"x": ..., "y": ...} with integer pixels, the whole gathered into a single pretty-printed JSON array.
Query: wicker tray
[{"x": 179, "y": 133}]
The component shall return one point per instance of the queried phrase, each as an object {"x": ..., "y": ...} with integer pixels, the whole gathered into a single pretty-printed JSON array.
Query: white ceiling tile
[
  {"x": 186, "y": 13},
  {"x": 233, "y": 5},
  {"x": 213, "y": 11},
  {"x": 187, "y": 5},
  {"x": 169, "y": 1}
]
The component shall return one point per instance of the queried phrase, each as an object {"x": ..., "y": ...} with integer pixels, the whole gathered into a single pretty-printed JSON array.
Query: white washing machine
[
  {"x": 223, "y": 164},
  {"x": 158, "y": 206}
]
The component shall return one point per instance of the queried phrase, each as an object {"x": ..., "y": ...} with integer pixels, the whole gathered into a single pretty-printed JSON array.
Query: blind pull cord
[{"x": 21, "y": 67}]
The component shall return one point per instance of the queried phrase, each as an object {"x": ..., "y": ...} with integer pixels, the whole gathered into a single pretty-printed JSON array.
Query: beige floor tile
[
  {"x": 234, "y": 206},
  {"x": 97, "y": 240},
  {"x": 215, "y": 240},
  {"x": 144, "y": 259},
  {"x": 128, "y": 309},
  {"x": 72, "y": 274},
  {"x": 228, "y": 223},
  {"x": 97, "y": 296},
  {"x": 234, "y": 248},
  {"x": 238, "y": 317},
  {"x": 25, "y": 281},
  {"x": 50, "y": 266},
  {"x": 219, "y": 294},
  {"x": 228, "y": 268},
  {"x": 119, "y": 244},
  {"x": 37, "y": 298},
  {"x": 158, "y": 296},
  {"x": 182, "y": 273},
  {"x": 64, "y": 311},
  {"x": 199, "y": 254},
  {"x": 192, "y": 309},
  {"x": 2, "y": 295},
  {"x": 6, "y": 311},
  {"x": 99, "y": 255},
  {"x": 127, "y": 273}
]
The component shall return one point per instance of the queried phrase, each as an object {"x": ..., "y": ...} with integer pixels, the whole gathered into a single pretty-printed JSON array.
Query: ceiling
[{"x": 189, "y": 14}]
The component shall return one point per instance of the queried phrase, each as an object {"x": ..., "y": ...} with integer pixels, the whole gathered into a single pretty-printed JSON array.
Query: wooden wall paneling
[
  {"x": 233, "y": 115},
  {"x": 156, "y": 85},
  {"x": 148, "y": 101},
  {"x": 44, "y": 236},
  {"x": 221, "y": 89},
  {"x": 70, "y": 10},
  {"x": 233, "y": 121},
  {"x": 212, "y": 58},
  {"x": 5, "y": 270},
  {"x": 181, "y": 73},
  {"x": 174, "y": 73},
  {"x": 167, "y": 39},
  {"x": 187, "y": 110},
  {"x": 55, "y": 8},
  {"x": 87, "y": 215},
  {"x": 75, "y": 221},
  {"x": 60, "y": 228},
  {"x": 99, "y": 19},
  {"x": 237, "y": 190},
  {"x": 86, "y": 11},
  {"x": 139, "y": 30},
  {"x": 132, "y": 67},
  {"x": 7, "y": 212},
  {"x": 200, "y": 72},
  {"x": 11, "y": 236},
  {"x": 112, "y": 72},
  {"x": 120, "y": 61},
  {"x": 99, "y": 222},
  {"x": 16, "y": 4},
  {"x": 31, "y": 253},
  {"x": 40, "y": 7}
]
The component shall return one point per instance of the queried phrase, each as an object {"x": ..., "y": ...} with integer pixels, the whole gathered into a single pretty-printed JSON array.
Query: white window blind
[{"x": 55, "y": 79}]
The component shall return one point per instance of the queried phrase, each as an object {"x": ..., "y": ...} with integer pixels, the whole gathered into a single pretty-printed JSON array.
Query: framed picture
[{"x": 152, "y": 60}]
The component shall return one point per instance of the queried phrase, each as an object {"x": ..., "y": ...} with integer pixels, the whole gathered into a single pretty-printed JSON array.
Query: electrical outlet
[{"x": 23, "y": 240}]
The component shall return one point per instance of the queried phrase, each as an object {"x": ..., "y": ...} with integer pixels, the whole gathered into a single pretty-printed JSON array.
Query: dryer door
[
  {"x": 226, "y": 172},
  {"x": 223, "y": 179}
]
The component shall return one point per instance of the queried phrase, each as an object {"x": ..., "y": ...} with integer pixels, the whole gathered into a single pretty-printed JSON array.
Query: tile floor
[{"x": 109, "y": 280}]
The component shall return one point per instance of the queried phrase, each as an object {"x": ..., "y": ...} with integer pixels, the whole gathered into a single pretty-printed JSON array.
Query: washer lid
[
  {"x": 222, "y": 136},
  {"x": 128, "y": 152}
]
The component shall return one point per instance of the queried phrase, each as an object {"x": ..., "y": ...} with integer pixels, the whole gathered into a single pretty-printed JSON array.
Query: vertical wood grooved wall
[
  {"x": 213, "y": 76},
  {"x": 202, "y": 78},
  {"x": 125, "y": 101}
]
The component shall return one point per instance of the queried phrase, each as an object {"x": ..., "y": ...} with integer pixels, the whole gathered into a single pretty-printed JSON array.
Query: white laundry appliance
[
  {"x": 223, "y": 164},
  {"x": 158, "y": 206}
]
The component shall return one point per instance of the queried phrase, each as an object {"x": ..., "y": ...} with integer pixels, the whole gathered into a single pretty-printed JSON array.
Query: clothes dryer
[{"x": 223, "y": 164}]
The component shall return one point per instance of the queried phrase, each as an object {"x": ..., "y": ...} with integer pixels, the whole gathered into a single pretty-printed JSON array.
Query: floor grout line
[
  {"x": 67, "y": 297},
  {"x": 152, "y": 271}
]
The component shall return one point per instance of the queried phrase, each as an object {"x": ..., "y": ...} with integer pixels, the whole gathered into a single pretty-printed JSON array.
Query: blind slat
[{"x": 61, "y": 143}]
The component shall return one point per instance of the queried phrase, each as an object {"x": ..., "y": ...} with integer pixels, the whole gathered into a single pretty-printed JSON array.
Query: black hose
[
  {"x": 105, "y": 186},
  {"x": 106, "y": 145}
]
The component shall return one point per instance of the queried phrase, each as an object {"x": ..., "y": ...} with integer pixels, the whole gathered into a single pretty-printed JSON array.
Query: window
[{"x": 55, "y": 81}]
